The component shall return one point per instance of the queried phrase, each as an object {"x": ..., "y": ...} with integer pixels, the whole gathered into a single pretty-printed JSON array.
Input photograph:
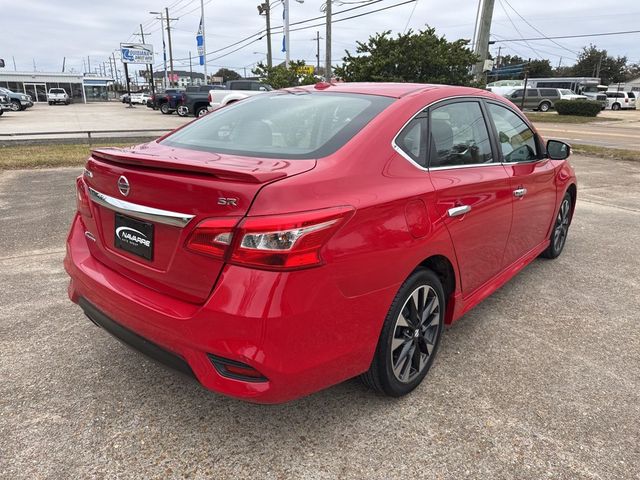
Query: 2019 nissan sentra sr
[{"x": 306, "y": 236}]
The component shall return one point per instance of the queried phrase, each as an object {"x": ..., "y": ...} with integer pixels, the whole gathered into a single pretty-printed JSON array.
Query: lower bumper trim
[{"x": 134, "y": 340}]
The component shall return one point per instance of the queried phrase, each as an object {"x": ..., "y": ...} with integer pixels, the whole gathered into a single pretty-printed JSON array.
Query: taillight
[
  {"x": 286, "y": 242},
  {"x": 82, "y": 199},
  {"x": 272, "y": 242},
  {"x": 209, "y": 97},
  {"x": 213, "y": 236}
]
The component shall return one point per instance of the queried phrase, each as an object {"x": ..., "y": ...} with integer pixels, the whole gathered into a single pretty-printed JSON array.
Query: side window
[
  {"x": 458, "y": 136},
  {"x": 549, "y": 92},
  {"x": 411, "y": 141},
  {"x": 517, "y": 94},
  {"x": 532, "y": 93},
  {"x": 517, "y": 141}
]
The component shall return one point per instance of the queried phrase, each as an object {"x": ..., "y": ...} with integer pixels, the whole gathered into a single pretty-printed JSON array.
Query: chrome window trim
[
  {"x": 406, "y": 156},
  {"x": 167, "y": 217}
]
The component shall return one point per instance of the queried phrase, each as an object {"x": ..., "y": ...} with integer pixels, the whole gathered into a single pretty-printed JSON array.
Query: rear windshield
[
  {"x": 282, "y": 125},
  {"x": 631, "y": 94},
  {"x": 57, "y": 90}
]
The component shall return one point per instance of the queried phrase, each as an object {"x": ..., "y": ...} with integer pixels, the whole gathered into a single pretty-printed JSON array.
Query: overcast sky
[{"x": 45, "y": 31}]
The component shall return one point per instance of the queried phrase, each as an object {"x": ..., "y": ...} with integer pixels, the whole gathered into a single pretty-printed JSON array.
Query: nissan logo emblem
[{"x": 123, "y": 185}]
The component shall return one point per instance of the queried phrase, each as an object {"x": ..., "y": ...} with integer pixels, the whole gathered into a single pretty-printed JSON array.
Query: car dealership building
[{"x": 81, "y": 88}]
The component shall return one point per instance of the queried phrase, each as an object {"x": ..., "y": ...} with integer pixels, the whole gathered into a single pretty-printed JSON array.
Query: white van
[{"x": 621, "y": 100}]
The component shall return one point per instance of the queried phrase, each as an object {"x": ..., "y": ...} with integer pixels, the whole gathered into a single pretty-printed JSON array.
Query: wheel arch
[
  {"x": 572, "y": 190},
  {"x": 444, "y": 269}
]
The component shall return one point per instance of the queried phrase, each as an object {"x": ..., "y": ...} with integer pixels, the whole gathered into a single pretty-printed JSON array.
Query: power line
[
  {"x": 559, "y": 37},
  {"x": 525, "y": 21},
  {"x": 516, "y": 29}
]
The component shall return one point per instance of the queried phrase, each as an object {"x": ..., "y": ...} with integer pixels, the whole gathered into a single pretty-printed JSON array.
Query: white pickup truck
[
  {"x": 57, "y": 95},
  {"x": 236, "y": 90}
]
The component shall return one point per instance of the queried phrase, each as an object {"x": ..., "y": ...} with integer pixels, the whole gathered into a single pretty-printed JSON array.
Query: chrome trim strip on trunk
[{"x": 140, "y": 211}]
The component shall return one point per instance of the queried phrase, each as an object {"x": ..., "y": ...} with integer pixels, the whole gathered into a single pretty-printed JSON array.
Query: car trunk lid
[{"x": 145, "y": 202}]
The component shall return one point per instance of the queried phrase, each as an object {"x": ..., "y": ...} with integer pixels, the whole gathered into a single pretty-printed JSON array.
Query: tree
[
  {"x": 411, "y": 57},
  {"x": 540, "y": 69},
  {"x": 597, "y": 63},
  {"x": 279, "y": 76},
  {"x": 227, "y": 74}
]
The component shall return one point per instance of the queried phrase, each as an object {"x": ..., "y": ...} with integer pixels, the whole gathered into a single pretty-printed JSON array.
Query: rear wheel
[
  {"x": 410, "y": 336},
  {"x": 560, "y": 229},
  {"x": 201, "y": 111},
  {"x": 544, "y": 106},
  {"x": 615, "y": 106},
  {"x": 164, "y": 108}
]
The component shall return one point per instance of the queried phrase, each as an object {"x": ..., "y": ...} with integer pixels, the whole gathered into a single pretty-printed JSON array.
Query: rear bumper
[{"x": 300, "y": 338}]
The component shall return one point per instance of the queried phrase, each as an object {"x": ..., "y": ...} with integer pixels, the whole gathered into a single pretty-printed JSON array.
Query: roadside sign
[
  {"x": 136, "y": 52},
  {"x": 306, "y": 70}
]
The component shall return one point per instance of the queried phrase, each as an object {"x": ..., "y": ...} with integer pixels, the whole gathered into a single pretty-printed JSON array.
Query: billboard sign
[{"x": 136, "y": 52}]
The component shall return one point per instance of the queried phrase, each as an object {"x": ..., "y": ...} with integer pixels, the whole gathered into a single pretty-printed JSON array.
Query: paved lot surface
[
  {"x": 79, "y": 116},
  {"x": 540, "y": 381}
]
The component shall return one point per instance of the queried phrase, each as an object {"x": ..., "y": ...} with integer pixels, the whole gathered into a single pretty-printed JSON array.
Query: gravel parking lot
[{"x": 542, "y": 380}]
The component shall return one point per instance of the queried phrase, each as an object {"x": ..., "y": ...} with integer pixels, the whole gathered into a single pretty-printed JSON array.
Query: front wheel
[
  {"x": 183, "y": 111},
  {"x": 560, "y": 229},
  {"x": 410, "y": 336},
  {"x": 544, "y": 106},
  {"x": 15, "y": 106},
  {"x": 164, "y": 109}
]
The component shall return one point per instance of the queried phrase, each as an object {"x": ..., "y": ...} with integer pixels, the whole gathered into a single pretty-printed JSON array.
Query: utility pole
[
  {"x": 266, "y": 9},
  {"x": 149, "y": 70},
  {"x": 64, "y": 60},
  {"x": 526, "y": 79},
  {"x": 115, "y": 66},
  {"x": 498, "y": 57},
  {"x": 598, "y": 67},
  {"x": 88, "y": 64},
  {"x": 327, "y": 62},
  {"x": 482, "y": 40},
  {"x": 559, "y": 63},
  {"x": 204, "y": 45},
  {"x": 285, "y": 5},
  {"x": 170, "y": 46},
  {"x": 317, "y": 40},
  {"x": 191, "y": 72}
]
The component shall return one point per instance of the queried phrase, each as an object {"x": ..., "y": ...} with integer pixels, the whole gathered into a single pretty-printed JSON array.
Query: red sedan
[{"x": 302, "y": 237}]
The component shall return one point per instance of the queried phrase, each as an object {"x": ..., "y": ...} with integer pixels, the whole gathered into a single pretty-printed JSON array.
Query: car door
[
  {"x": 531, "y": 178},
  {"x": 473, "y": 193}
]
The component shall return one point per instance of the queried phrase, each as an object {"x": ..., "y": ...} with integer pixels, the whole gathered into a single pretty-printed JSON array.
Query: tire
[
  {"x": 50, "y": 103},
  {"x": 560, "y": 229},
  {"x": 165, "y": 110},
  {"x": 407, "y": 346},
  {"x": 183, "y": 111},
  {"x": 1, "y": 112},
  {"x": 615, "y": 106},
  {"x": 201, "y": 111},
  {"x": 544, "y": 107},
  {"x": 15, "y": 106}
]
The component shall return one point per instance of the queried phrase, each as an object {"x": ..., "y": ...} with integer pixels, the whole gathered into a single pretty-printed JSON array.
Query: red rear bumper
[{"x": 296, "y": 328}]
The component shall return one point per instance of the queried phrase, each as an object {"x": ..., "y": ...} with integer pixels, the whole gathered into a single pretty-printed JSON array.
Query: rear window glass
[
  {"x": 282, "y": 125},
  {"x": 548, "y": 92},
  {"x": 56, "y": 90},
  {"x": 631, "y": 94}
]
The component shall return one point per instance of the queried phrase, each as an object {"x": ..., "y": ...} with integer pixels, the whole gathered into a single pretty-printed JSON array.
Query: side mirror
[{"x": 557, "y": 150}]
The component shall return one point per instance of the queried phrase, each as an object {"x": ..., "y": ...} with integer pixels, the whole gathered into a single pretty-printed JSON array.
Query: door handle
[
  {"x": 457, "y": 211},
  {"x": 520, "y": 192}
]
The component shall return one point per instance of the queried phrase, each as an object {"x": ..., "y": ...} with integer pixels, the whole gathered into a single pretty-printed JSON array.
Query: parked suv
[
  {"x": 57, "y": 95},
  {"x": 306, "y": 236},
  {"x": 19, "y": 101},
  {"x": 621, "y": 100},
  {"x": 536, "y": 98}
]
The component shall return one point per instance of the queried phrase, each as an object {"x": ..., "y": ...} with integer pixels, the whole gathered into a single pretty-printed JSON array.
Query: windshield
[
  {"x": 565, "y": 91},
  {"x": 282, "y": 125},
  {"x": 590, "y": 89}
]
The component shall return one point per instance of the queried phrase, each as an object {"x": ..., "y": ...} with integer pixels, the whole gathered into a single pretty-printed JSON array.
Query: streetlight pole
[
  {"x": 170, "y": 47},
  {"x": 266, "y": 9},
  {"x": 285, "y": 4}
]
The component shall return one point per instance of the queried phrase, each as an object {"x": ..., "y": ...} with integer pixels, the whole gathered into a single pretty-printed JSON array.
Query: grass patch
[
  {"x": 553, "y": 117},
  {"x": 604, "y": 152},
  {"x": 43, "y": 156}
]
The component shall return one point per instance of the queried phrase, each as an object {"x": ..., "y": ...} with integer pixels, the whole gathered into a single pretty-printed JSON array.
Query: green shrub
[{"x": 584, "y": 108}]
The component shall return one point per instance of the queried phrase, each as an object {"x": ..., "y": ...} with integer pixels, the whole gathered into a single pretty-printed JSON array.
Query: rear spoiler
[{"x": 242, "y": 169}]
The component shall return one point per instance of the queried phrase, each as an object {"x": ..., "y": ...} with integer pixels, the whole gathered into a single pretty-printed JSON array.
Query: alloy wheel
[
  {"x": 562, "y": 225},
  {"x": 415, "y": 334}
]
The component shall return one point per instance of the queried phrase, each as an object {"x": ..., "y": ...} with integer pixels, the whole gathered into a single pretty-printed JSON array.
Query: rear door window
[
  {"x": 532, "y": 92},
  {"x": 549, "y": 92},
  {"x": 458, "y": 136}
]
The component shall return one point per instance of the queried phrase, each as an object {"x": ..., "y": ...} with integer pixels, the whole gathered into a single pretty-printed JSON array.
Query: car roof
[{"x": 387, "y": 89}]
